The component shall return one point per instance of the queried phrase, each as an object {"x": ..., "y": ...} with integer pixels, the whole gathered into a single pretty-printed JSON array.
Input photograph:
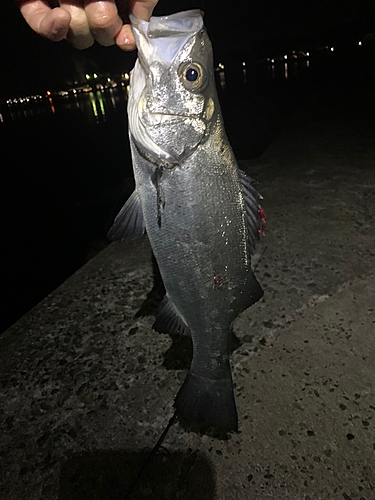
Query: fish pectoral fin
[
  {"x": 168, "y": 319},
  {"x": 129, "y": 223},
  {"x": 255, "y": 216}
]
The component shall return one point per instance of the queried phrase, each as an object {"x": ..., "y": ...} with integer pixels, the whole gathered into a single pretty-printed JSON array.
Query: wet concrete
[{"x": 88, "y": 387}]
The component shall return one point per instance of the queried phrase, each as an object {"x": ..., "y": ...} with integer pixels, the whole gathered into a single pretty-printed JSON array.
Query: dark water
[
  {"x": 66, "y": 169},
  {"x": 63, "y": 171}
]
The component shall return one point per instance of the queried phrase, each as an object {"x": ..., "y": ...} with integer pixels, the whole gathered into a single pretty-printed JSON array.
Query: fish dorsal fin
[
  {"x": 254, "y": 215},
  {"x": 168, "y": 319},
  {"x": 129, "y": 223}
]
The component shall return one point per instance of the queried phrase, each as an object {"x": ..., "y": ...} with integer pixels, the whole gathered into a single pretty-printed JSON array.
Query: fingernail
[
  {"x": 127, "y": 44},
  {"x": 58, "y": 31}
]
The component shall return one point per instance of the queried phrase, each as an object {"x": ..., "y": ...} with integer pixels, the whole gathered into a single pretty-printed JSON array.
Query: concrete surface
[{"x": 88, "y": 387}]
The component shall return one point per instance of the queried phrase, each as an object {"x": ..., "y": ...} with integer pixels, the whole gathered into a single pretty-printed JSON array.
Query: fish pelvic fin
[
  {"x": 255, "y": 217},
  {"x": 129, "y": 223},
  {"x": 168, "y": 319},
  {"x": 207, "y": 406}
]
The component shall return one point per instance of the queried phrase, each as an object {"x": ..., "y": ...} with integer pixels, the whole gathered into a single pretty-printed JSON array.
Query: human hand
[{"x": 82, "y": 22}]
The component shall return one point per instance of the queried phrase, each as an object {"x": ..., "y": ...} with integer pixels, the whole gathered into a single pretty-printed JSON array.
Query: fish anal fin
[
  {"x": 129, "y": 223},
  {"x": 207, "y": 406},
  {"x": 254, "y": 214},
  {"x": 168, "y": 319}
]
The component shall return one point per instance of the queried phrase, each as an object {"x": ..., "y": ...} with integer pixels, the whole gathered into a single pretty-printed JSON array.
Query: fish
[{"x": 200, "y": 211}]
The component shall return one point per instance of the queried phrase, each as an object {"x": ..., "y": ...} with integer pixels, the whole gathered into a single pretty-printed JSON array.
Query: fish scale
[{"x": 197, "y": 208}]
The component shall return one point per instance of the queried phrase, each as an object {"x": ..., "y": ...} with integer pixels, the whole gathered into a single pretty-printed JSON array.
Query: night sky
[{"x": 29, "y": 63}]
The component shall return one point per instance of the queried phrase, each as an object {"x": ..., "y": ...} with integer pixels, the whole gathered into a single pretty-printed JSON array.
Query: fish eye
[{"x": 192, "y": 75}]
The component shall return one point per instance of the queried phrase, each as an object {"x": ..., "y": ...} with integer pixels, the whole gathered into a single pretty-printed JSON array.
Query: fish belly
[{"x": 197, "y": 231}]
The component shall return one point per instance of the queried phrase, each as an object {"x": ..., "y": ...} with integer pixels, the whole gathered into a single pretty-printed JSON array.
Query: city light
[
  {"x": 278, "y": 65},
  {"x": 244, "y": 75},
  {"x": 51, "y": 102},
  {"x": 30, "y": 105}
]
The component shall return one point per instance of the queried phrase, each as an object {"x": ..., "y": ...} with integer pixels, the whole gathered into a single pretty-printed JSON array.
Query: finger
[
  {"x": 79, "y": 34},
  {"x": 103, "y": 20},
  {"x": 125, "y": 39},
  {"x": 51, "y": 23},
  {"x": 142, "y": 9}
]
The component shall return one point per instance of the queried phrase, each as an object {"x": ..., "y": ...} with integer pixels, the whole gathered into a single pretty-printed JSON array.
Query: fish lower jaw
[
  {"x": 155, "y": 155},
  {"x": 162, "y": 118}
]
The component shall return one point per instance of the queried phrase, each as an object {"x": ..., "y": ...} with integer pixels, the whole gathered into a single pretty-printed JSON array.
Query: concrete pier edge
[{"x": 88, "y": 387}]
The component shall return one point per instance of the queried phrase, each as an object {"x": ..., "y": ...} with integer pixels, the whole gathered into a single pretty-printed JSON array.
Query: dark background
[
  {"x": 253, "y": 27},
  {"x": 64, "y": 175}
]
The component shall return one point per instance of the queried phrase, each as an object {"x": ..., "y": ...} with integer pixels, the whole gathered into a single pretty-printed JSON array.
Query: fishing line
[
  {"x": 147, "y": 461},
  {"x": 260, "y": 258}
]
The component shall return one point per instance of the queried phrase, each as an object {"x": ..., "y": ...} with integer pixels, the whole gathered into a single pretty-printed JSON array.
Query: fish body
[{"x": 200, "y": 211}]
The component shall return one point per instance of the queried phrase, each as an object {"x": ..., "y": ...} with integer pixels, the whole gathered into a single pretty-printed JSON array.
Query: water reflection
[
  {"x": 51, "y": 103},
  {"x": 234, "y": 75},
  {"x": 272, "y": 69},
  {"x": 286, "y": 67},
  {"x": 94, "y": 104},
  {"x": 244, "y": 75},
  {"x": 285, "y": 70},
  {"x": 99, "y": 98},
  {"x": 220, "y": 71},
  {"x": 76, "y": 101},
  {"x": 222, "y": 79},
  {"x": 112, "y": 98},
  {"x": 97, "y": 105}
]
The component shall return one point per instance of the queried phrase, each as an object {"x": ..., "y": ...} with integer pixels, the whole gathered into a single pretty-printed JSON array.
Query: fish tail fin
[{"x": 207, "y": 406}]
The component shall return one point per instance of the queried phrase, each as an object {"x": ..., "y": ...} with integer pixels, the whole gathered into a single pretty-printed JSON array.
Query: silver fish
[{"x": 201, "y": 213}]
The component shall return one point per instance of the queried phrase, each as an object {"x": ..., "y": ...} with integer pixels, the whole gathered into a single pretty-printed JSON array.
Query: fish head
[{"x": 171, "y": 115}]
